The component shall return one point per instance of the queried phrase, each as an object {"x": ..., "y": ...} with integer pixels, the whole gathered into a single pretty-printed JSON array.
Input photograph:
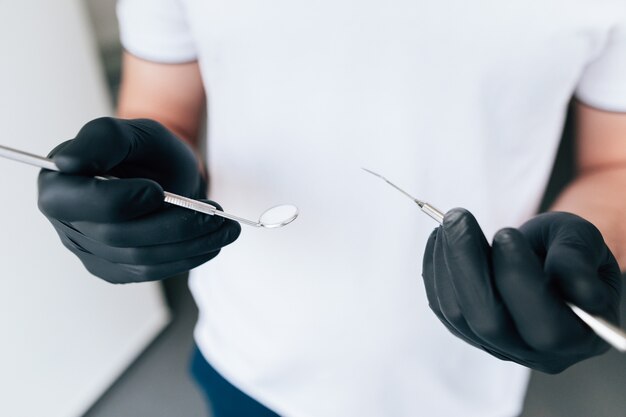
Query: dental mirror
[
  {"x": 272, "y": 218},
  {"x": 278, "y": 216}
]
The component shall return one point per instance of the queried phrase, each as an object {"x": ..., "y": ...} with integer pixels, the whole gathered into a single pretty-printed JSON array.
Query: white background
[{"x": 65, "y": 335}]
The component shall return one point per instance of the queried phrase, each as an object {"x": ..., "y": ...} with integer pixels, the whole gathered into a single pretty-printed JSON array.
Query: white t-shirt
[{"x": 460, "y": 102}]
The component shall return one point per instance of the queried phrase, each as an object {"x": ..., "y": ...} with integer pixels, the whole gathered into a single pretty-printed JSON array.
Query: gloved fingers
[
  {"x": 428, "y": 275},
  {"x": 155, "y": 254},
  {"x": 125, "y": 273},
  {"x": 577, "y": 278},
  {"x": 78, "y": 198},
  {"x": 139, "y": 148},
  {"x": 169, "y": 161},
  {"x": 545, "y": 229},
  {"x": 444, "y": 290},
  {"x": 611, "y": 274},
  {"x": 57, "y": 148},
  {"x": 430, "y": 284},
  {"x": 169, "y": 225},
  {"x": 467, "y": 293},
  {"x": 574, "y": 253},
  {"x": 540, "y": 315},
  {"x": 464, "y": 332},
  {"x": 467, "y": 256},
  {"x": 99, "y": 146}
]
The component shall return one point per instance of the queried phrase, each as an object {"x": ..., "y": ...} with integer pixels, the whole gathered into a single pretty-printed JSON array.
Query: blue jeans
[{"x": 225, "y": 399}]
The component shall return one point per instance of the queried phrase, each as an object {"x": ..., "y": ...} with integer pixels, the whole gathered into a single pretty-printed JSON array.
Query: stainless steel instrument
[
  {"x": 612, "y": 334},
  {"x": 272, "y": 218}
]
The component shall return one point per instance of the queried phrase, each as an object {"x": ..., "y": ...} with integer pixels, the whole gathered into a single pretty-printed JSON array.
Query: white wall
[{"x": 64, "y": 335}]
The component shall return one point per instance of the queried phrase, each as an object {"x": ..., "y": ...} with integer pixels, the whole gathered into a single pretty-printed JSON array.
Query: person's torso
[{"x": 459, "y": 102}]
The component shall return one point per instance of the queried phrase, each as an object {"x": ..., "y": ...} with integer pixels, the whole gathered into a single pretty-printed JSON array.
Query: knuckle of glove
[
  {"x": 57, "y": 148},
  {"x": 123, "y": 273},
  {"x": 77, "y": 157},
  {"x": 459, "y": 218},
  {"x": 566, "y": 228},
  {"x": 142, "y": 273},
  {"x": 453, "y": 314},
  {"x": 103, "y": 127},
  {"x": 138, "y": 256},
  {"x": 590, "y": 294},
  {"x": 547, "y": 339},
  {"x": 232, "y": 230},
  {"x": 106, "y": 235},
  {"x": 506, "y": 236},
  {"x": 490, "y": 328},
  {"x": 459, "y": 226}
]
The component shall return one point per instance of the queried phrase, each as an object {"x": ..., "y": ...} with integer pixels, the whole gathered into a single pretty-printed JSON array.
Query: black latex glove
[
  {"x": 121, "y": 230},
  {"x": 509, "y": 299}
]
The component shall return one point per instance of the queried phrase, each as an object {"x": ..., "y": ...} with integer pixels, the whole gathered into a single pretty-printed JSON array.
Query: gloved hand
[
  {"x": 121, "y": 229},
  {"x": 509, "y": 299}
]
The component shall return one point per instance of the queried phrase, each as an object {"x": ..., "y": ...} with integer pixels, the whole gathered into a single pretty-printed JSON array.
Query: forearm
[
  {"x": 171, "y": 94},
  {"x": 187, "y": 129},
  {"x": 598, "y": 196}
]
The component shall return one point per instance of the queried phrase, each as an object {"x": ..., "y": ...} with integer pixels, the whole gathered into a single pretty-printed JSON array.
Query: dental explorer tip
[
  {"x": 372, "y": 172},
  {"x": 418, "y": 202},
  {"x": 424, "y": 206}
]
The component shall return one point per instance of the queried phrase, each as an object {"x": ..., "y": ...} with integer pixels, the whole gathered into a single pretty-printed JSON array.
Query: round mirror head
[{"x": 278, "y": 216}]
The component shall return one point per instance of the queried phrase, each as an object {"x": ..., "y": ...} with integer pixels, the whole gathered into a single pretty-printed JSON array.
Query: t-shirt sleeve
[
  {"x": 156, "y": 30},
  {"x": 603, "y": 83}
]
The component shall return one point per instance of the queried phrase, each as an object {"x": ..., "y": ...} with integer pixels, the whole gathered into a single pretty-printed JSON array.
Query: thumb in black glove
[
  {"x": 122, "y": 230},
  {"x": 510, "y": 299}
]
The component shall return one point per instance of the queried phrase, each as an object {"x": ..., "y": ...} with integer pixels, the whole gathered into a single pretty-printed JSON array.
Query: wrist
[{"x": 194, "y": 146}]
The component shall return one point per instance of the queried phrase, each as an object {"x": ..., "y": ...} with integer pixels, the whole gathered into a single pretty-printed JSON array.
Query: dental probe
[
  {"x": 425, "y": 207},
  {"x": 612, "y": 334}
]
